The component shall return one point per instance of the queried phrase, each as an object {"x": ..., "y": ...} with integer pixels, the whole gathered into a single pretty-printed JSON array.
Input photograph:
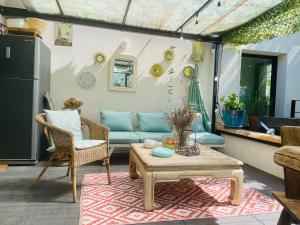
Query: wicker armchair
[{"x": 65, "y": 148}]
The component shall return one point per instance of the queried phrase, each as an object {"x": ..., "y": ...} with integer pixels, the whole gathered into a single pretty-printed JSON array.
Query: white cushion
[
  {"x": 67, "y": 120},
  {"x": 83, "y": 144}
]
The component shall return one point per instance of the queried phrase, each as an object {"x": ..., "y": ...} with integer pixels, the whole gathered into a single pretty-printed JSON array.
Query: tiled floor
[{"x": 50, "y": 202}]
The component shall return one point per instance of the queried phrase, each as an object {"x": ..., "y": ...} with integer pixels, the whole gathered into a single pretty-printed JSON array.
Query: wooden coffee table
[{"x": 209, "y": 163}]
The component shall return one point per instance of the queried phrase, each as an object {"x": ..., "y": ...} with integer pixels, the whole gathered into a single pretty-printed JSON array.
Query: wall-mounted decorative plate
[
  {"x": 99, "y": 58},
  {"x": 188, "y": 72},
  {"x": 86, "y": 80},
  {"x": 156, "y": 70}
]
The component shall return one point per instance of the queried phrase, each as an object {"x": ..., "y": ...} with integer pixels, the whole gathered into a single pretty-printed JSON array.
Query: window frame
[{"x": 274, "y": 60}]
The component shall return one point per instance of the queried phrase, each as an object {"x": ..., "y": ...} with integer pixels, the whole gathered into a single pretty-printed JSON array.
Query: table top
[{"x": 208, "y": 159}]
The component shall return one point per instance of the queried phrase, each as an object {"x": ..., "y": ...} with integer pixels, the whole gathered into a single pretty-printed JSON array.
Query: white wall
[
  {"x": 256, "y": 154},
  {"x": 151, "y": 94},
  {"x": 288, "y": 77}
]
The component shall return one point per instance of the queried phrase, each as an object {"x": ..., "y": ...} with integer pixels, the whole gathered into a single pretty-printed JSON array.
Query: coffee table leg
[
  {"x": 132, "y": 167},
  {"x": 236, "y": 192},
  {"x": 148, "y": 192}
]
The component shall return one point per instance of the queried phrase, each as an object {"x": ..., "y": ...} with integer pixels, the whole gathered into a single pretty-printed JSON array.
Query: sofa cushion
[
  {"x": 197, "y": 125},
  {"x": 157, "y": 136},
  {"x": 123, "y": 137},
  {"x": 207, "y": 138},
  {"x": 84, "y": 144},
  {"x": 153, "y": 122},
  {"x": 117, "y": 121},
  {"x": 288, "y": 156},
  {"x": 68, "y": 120}
]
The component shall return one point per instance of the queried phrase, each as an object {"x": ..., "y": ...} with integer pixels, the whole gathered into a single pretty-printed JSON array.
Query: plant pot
[
  {"x": 233, "y": 118},
  {"x": 253, "y": 123}
]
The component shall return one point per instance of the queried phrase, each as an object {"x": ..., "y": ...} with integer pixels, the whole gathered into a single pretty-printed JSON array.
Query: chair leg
[
  {"x": 73, "y": 177},
  {"x": 36, "y": 180},
  {"x": 106, "y": 161},
  {"x": 68, "y": 171}
]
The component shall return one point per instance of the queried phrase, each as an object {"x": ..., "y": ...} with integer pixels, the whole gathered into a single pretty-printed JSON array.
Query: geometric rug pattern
[{"x": 122, "y": 201}]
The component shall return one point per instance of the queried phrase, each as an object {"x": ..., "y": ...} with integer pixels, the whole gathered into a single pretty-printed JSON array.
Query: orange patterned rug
[{"x": 122, "y": 202}]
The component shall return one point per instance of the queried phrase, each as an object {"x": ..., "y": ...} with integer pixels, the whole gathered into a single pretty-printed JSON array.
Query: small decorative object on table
[
  {"x": 162, "y": 152},
  {"x": 189, "y": 150},
  {"x": 73, "y": 103},
  {"x": 182, "y": 119},
  {"x": 169, "y": 142},
  {"x": 148, "y": 143}
]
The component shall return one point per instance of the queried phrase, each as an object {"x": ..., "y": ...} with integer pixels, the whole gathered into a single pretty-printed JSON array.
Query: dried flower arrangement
[
  {"x": 182, "y": 119},
  {"x": 72, "y": 103}
]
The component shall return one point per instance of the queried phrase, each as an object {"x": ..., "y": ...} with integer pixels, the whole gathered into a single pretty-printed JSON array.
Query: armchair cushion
[
  {"x": 117, "y": 121},
  {"x": 67, "y": 120},
  {"x": 153, "y": 122},
  {"x": 84, "y": 144}
]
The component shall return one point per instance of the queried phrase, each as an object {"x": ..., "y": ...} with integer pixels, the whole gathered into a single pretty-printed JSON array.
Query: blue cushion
[
  {"x": 123, "y": 137},
  {"x": 117, "y": 121},
  {"x": 207, "y": 138},
  {"x": 162, "y": 152},
  {"x": 197, "y": 125},
  {"x": 157, "y": 136},
  {"x": 153, "y": 122}
]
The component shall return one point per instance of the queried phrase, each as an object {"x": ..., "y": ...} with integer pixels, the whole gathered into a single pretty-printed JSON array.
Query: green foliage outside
[
  {"x": 232, "y": 102},
  {"x": 279, "y": 21}
]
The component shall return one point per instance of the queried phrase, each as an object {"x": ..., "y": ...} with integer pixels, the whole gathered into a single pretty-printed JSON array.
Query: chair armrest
[
  {"x": 97, "y": 131},
  {"x": 62, "y": 139},
  {"x": 290, "y": 135}
]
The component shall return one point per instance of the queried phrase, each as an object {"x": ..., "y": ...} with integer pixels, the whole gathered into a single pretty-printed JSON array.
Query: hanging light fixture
[
  {"x": 197, "y": 17},
  {"x": 219, "y": 3},
  {"x": 181, "y": 33}
]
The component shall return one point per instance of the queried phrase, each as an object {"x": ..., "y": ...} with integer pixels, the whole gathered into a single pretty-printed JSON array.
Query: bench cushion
[
  {"x": 153, "y": 122},
  {"x": 117, "y": 121},
  {"x": 123, "y": 137},
  {"x": 207, "y": 138},
  {"x": 157, "y": 136},
  {"x": 288, "y": 156},
  {"x": 197, "y": 125}
]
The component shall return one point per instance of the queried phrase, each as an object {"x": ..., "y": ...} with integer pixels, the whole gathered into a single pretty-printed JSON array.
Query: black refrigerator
[{"x": 24, "y": 79}]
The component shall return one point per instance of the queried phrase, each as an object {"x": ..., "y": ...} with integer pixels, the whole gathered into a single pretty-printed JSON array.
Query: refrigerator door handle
[{"x": 7, "y": 54}]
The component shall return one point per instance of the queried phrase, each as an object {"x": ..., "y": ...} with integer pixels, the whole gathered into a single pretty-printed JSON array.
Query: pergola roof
[{"x": 194, "y": 18}]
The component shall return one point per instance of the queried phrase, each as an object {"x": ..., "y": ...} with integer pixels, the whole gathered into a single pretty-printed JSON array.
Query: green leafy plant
[
  {"x": 281, "y": 20},
  {"x": 232, "y": 102},
  {"x": 259, "y": 106}
]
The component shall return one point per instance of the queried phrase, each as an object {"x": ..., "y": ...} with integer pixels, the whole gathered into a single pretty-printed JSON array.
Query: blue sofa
[{"x": 153, "y": 126}]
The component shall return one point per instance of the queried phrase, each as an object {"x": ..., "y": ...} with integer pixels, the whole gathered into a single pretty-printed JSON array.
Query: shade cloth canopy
[
  {"x": 195, "y": 100},
  {"x": 194, "y": 17}
]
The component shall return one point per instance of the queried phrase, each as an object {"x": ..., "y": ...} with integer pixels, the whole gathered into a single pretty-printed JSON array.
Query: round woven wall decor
[{"x": 86, "y": 80}]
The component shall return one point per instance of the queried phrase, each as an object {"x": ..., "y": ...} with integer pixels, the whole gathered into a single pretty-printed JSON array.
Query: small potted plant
[
  {"x": 258, "y": 107},
  {"x": 233, "y": 111}
]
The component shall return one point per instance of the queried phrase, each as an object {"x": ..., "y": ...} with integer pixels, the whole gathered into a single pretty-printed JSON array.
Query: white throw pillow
[
  {"x": 66, "y": 120},
  {"x": 83, "y": 144}
]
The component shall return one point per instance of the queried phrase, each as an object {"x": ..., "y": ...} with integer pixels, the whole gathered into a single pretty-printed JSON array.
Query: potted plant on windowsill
[
  {"x": 258, "y": 107},
  {"x": 233, "y": 111}
]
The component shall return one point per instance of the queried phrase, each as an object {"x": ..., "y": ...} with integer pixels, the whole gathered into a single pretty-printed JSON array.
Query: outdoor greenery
[
  {"x": 279, "y": 21},
  {"x": 232, "y": 102}
]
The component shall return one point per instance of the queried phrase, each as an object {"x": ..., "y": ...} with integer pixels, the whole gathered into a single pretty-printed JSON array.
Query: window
[{"x": 258, "y": 84}]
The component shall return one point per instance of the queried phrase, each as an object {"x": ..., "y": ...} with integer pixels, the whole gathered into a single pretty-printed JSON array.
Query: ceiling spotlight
[
  {"x": 181, "y": 34},
  {"x": 219, "y": 3}
]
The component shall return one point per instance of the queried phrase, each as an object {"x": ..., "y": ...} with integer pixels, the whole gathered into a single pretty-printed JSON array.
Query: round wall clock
[
  {"x": 86, "y": 80},
  {"x": 188, "y": 72},
  {"x": 99, "y": 58}
]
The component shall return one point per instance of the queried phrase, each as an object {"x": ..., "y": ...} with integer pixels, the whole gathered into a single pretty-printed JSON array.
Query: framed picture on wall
[{"x": 63, "y": 34}]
